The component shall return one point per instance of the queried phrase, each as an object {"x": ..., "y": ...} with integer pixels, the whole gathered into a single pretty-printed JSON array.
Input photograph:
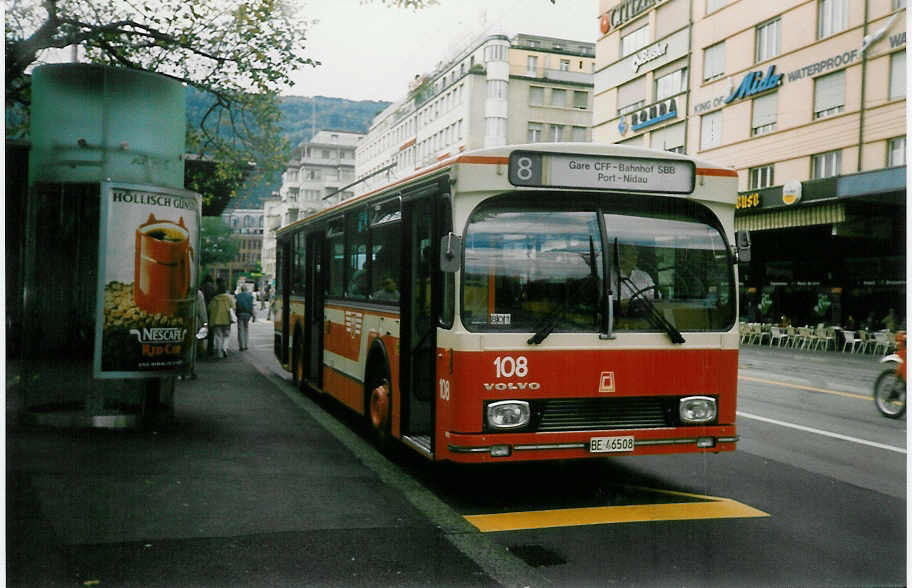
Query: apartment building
[
  {"x": 806, "y": 99},
  {"x": 499, "y": 91},
  {"x": 321, "y": 167},
  {"x": 246, "y": 226}
]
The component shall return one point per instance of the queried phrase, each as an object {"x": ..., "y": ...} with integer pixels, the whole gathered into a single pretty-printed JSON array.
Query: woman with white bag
[{"x": 221, "y": 315}]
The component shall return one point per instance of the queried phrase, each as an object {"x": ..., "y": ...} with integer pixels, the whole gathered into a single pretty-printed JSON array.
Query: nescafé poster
[{"x": 148, "y": 260}]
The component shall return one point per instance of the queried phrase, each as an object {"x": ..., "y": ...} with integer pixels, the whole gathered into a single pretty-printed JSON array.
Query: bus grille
[{"x": 584, "y": 414}]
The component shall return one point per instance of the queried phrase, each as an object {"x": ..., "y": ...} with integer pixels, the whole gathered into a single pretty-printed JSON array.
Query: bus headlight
[
  {"x": 508, "y": 414},
  {"x": 697, "y": 410}
]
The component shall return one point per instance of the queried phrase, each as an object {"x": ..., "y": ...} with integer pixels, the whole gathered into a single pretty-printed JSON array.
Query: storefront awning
[{"x": 805, "y": 216}]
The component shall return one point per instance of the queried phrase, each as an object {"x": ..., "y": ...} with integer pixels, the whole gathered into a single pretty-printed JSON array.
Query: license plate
[{"x": 611, "y": 444}]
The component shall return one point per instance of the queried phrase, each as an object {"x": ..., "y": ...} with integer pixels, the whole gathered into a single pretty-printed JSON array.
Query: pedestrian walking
[
  {"x": 209, "y": 291},
  {"x": 244, "y": 315},
  {"x": 264, "y": 301},
  {"x": 220, "y": 318}
]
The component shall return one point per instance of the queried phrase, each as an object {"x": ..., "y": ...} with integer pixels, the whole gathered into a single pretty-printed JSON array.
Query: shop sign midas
[{"x": 148, "y": 265}]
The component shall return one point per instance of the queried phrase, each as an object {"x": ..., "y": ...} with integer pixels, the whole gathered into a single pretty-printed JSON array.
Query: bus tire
[{"x": 379, "y": 408}]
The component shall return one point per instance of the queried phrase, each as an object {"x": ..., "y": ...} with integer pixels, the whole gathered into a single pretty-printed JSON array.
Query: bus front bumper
[{"x": 477, "y": 448}]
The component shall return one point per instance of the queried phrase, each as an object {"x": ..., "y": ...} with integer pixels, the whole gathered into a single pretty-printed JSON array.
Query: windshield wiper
[
  {"x": 655, "y": 318},
  {"x": 551, "y": 320}
]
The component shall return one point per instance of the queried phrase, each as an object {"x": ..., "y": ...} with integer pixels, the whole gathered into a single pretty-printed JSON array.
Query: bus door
[
  {"x": 313, "y": 327},
  {"x": 419, "y": 325}
]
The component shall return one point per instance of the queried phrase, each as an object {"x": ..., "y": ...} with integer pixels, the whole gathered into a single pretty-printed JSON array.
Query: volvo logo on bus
[{"x": 504, "y": 386}]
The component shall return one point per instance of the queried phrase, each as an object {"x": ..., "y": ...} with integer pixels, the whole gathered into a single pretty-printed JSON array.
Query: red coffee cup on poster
[{"x": 162, "y": 265}]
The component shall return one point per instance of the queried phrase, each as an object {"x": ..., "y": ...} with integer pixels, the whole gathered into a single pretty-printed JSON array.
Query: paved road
[
  {"x": 258, "y": 485},
  {"x": 834, "y": 505}
]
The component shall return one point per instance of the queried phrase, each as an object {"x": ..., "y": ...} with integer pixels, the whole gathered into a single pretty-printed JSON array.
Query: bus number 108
[{"x": 507, "y": 367}]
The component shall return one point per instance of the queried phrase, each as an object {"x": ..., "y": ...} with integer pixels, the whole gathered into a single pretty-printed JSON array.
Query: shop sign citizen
[{"x": 625, "y": 11}]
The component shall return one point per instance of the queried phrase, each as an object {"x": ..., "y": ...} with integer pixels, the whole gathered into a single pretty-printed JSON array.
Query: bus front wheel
[{"x": 380, "y": 410}]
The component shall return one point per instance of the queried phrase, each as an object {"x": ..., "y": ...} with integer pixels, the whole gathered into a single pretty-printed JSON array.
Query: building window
[
  {"x": 534, "y": 134},
  {"x": 826, "y": 165},
  {"x": 630, "y": 107},
  {"x": 711, "y": 130},
  {"x": 564, "y": 65},
  {"x": 578, "y": 134},
  {"x": 761, "y": 177},
  {"x": 536, "y": 95},
  {"x": 496, "y": 127},
  {"x": 580, "y": 100},
  {"x": 896, "y": 152},
  {"x": 829, "y": 94},
  {"x": 671, "y": 84},
  {"x": 763, "y": 120},
  {"x": 558, "y": 97},
  {"x": 557, "y": 133},
  {"x": 768, "y": 40},
  {"x": 634, "y": 41},
  {"x": 898, "y": 75},
  {"x": 714, "y": 62},
  {"x": 832, "y": 17},
  {"x": 532, "y": 65},
  {"x": 632, "y": 95},
  {"x": 669, "y": 138},
  {"x": 497, "y": 89}
]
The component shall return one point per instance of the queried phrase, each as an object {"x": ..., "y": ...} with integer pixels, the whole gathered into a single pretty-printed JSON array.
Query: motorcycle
[{"x": 890, "y": 386}]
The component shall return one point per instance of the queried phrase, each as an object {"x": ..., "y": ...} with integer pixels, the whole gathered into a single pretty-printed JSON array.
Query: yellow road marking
[
  {"x": 800, "y": 387},
  {"x": 709, "y": 507}
]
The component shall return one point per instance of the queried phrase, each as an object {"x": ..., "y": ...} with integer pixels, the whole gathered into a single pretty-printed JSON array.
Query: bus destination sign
[{"x": 631, "y": 174}]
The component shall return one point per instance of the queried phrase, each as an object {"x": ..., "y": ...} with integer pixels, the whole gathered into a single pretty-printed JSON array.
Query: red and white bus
[{"x": 486, "y": 309}]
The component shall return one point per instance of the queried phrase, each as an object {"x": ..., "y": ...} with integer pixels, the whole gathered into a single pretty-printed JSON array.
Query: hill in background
[{"x": 301, "y": 116}]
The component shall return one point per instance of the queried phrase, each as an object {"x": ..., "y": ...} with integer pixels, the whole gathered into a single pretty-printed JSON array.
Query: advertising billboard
[{"x": 148, "y": 260}]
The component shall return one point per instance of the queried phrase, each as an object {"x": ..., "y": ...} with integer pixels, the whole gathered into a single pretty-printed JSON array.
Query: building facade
[
  {"x": 499, "y": 91},
  {"x": 807, "y": 100},
  {"x": 246, "y": 226},
  {"x": 323, "y": 166}
]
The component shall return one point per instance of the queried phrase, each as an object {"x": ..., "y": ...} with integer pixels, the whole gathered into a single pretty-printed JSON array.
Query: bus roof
[{"x": 500, "y": 155}]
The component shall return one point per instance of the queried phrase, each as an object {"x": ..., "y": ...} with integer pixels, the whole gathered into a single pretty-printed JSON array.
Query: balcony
[{"x": 576, "y": 77}]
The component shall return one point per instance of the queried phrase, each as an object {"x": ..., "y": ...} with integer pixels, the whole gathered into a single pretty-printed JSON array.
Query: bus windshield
[{"x": 534, "y": 265}]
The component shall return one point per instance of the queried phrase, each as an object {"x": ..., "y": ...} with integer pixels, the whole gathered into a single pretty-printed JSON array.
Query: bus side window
[
  {"x": 298, "y": 271},
  {"x": 385, "y": 252},
  {"x": 335, "y": 238},
  {"x": 357, "y": 277}
]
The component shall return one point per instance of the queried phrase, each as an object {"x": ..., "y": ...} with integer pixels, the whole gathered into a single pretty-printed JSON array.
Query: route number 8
[
  {"x": 507, "y": 367},
  {"x": 524, "y": 168}
]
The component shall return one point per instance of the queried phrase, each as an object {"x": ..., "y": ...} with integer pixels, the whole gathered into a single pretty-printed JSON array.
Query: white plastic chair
[
  {"x": 884, "y": 340},
  {"x": 778, "y": 334},
  {"x": 850, "y": 339}
]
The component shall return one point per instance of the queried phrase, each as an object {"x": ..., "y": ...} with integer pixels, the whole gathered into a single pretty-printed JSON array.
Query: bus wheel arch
[{"x": 378, "y": 394}]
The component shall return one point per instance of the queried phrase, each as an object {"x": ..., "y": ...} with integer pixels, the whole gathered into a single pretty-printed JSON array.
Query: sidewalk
[
  {"x": 847, "y": 372},
  {"x": 244, "y": 489}
]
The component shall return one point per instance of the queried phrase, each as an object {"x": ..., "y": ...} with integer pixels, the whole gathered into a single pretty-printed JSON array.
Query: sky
[{"x": 369, "y": 51}]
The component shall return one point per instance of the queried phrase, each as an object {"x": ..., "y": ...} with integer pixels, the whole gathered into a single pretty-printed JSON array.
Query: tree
[
  {"x": 216, "y": 243},
  {"x": 240, "y": 53}
]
